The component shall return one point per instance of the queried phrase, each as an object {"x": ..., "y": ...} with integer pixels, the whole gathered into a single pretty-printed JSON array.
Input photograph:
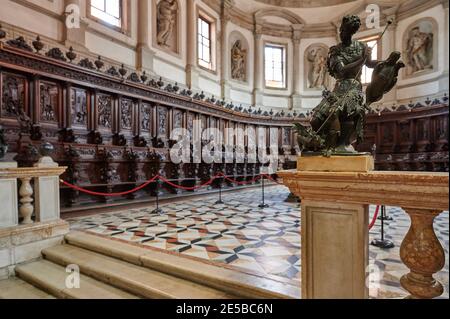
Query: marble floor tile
[{"x": 254, "y": 240}]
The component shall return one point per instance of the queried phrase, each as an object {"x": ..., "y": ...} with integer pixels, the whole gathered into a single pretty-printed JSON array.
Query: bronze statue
[
  {"x": 384, "y": 78},
  {"x": 338, "y": 121}
]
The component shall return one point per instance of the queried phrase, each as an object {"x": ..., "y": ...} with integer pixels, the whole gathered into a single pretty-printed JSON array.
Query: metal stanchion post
[
  {"x": 220, "y": 193},
  {"x": 382, "y": 243},
  {"x": 158, "y": 210},
  {"x": 385, "y": 216},
  {"x": 263, "y": 204}
]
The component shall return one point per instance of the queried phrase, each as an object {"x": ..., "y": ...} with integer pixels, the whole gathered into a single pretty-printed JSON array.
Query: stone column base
[
  {"x": 24, "y": 243},
  {"x": 334, "y": 250}
]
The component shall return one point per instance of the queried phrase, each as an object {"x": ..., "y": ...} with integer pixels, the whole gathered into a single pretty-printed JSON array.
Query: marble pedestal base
[
  {"x": 334, "y": 250},
  {"x": 8, "y": 198}
]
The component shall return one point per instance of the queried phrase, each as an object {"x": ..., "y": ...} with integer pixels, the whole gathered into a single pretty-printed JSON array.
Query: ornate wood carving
[
  {"x": 162, "y": 121},
  {"x": 126, "y": 114},
  {"x": 49, "y": 102},
  {"x": 78, "y": 107},
  {"x": 105, "y": 110},
  {"x": 146, "y": 117},
  {"x": 13, "y": 97}
]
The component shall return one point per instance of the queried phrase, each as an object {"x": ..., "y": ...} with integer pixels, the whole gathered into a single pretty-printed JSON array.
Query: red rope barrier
[
  {"x": 243, "y": 182},
  {"x": 375, "y": 216},
  {"x": 109, "y": 194},
  {"x": 187, "y": 188}
]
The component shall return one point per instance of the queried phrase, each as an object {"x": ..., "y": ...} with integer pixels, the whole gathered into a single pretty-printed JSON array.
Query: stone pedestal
[
  {"x": 364, "y": 163},
  {"x": 334, "y": 250},
  {"x": 8, "y": 198},
  {"x": 47, "y": 192},
  {"x": 335, "y": 228}
]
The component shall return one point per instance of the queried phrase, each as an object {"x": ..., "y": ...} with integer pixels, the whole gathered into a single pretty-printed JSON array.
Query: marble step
[
  {"x": 129, "y": 277},
  {"x": 51, "y": 278},
  {"x": 232, "y": 281},
  {"x": 15, "y": 288}
]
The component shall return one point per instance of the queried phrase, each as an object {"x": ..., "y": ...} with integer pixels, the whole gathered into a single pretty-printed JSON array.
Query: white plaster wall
[
  {"x": 241, "y": 97},
  {"x": 112, "y": 50},
  {"x": 275, "y": 102},
  {"x": 31, "y": 20}
]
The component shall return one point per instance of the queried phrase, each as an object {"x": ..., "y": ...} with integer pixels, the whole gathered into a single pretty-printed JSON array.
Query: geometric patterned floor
[{"x": 241, "y": 236}]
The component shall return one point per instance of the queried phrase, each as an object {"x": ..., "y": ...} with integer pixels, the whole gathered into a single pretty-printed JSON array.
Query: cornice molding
[{"x": 400, "y": 11}]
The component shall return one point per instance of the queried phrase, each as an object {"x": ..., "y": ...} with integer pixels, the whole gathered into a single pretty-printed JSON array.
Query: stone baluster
[
  {"x": 423, "y": 254},
  {"x": 26, "y": 207}
]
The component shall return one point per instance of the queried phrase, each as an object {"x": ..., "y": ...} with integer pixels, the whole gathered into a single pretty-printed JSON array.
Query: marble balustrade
[
  {"x": 335, "y": 234},
  {"x": 29, "y": 212}
]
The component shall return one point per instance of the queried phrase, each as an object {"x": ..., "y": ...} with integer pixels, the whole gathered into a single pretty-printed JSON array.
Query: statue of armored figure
[
  {"x": 338, "y": 121},
  {"x": 166, "y": 20}
]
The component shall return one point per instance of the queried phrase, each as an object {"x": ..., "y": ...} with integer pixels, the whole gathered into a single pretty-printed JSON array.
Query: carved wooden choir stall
[{"x": 111, "y": 126}]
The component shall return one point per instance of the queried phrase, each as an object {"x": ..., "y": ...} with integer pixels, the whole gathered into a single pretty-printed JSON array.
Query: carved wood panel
[
  {"x": 190, "y": 123},
  {"x": 13, "y": 94},
  {"x": 104, "y": 111},
  {"x": 146, "y": 117},
  {"x": 49, "y": 102},
  {"x": 163, "y": 121},
  {"x": 78, "y": 107},
  {"x": 177, "y": 119},
  {"x": 126, "y": 114}
]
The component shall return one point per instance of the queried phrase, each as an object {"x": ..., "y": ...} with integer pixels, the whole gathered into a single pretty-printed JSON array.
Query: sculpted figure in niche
[
  {"x": 166, "y": 19},
  {"x": 238, "y": 55},
  {"x": 317, "y": 68},
  {"x": 420, "y": 50}
]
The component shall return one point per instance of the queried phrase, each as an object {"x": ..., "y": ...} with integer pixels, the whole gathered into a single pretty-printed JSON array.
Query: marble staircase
[{"x": 112, "y": 269}]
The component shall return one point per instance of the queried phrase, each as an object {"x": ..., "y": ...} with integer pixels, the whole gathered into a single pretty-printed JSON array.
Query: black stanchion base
[
  {"x": 389, "y": 218},
  {"x": 385, "y": 244},
  {"x": 263, "y": 206},
  {"x": 219, "y": 202},
  {"x": 158, "y": 211}
]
